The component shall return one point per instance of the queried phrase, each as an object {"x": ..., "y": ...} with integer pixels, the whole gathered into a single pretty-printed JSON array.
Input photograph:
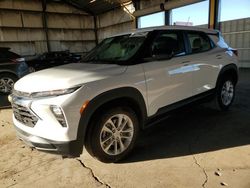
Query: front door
[{"x": 168, "y": 76}]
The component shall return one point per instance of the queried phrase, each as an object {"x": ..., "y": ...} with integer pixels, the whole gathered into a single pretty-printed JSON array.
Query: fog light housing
[
  {"x": 10, "y": 98},
  {"x": 58, "y": 113}
]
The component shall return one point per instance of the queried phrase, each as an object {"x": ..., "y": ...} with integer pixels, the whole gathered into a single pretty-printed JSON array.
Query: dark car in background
[
  {"x": 12, "y": 67},
  {"x": 52, "y": 59}
]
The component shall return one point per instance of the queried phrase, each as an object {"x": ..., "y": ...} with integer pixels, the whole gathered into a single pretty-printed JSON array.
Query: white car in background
[{"x": 121, "y": 87}]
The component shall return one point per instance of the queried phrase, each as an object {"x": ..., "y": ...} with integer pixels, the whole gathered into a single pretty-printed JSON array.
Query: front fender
[{"x": 100, "y": 100}]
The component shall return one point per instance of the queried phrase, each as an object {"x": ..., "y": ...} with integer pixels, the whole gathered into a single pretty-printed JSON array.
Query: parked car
[
  {"x": 12, "y": 67},
  {"x": 52, "y": 59},
  {"x": 124, "y": 84}
]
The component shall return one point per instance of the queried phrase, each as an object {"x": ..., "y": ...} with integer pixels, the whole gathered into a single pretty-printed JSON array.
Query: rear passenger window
[{"x": 199, "y": 42}]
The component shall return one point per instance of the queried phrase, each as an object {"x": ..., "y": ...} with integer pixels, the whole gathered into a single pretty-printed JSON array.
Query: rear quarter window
[
  {"x": 199, "y": 42},
  {"x": 218, "y": 40}
]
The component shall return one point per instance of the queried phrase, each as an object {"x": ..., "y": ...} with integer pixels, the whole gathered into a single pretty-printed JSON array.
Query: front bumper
[
  {"x": 38, "y": 128},
  {"x": 68, "y": 149}
]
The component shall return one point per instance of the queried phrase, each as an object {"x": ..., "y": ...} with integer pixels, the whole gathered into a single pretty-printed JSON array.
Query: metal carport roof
[{"x": 96, "y": 7}]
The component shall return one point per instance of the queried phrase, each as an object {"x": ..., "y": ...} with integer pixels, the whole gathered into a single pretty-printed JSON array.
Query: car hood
[{"x": 67, "y": 76}]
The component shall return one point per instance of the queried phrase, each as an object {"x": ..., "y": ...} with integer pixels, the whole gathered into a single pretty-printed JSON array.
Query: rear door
[
  {"x": 168, "y": 80},
  {"x": 205, "y": 61}
]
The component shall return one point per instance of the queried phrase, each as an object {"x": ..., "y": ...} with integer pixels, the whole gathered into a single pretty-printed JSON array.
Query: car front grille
[{"x": 23, "y": 115}]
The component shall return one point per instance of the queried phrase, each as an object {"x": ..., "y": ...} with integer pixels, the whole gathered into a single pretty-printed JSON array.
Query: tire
[
  {"x": 109, "y": 142},
  {"x": 7, "y": 83},
  {"x": 225, "y": 93}
]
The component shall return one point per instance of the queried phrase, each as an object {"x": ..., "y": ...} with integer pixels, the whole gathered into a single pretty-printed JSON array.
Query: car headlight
[{"x": 54, "y": 92}]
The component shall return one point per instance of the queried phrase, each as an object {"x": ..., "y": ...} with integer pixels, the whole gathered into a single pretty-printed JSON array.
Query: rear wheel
[
  {"x": 7, "y": 83},
  {"x": 114, "y": 135},
  {"x": 225, "y": 93}
]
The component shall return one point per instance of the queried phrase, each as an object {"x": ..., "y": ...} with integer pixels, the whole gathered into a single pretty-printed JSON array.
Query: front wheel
[
  {"x": 114, "y": 135},
  {"x": 225, "y": 93}
]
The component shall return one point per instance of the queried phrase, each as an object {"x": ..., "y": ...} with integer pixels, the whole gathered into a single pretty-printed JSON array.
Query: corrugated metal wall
[
  {"x": 21, "y": 27},
  {"x": 114, "y": 22},
  {"x": 237, "y": 34}
]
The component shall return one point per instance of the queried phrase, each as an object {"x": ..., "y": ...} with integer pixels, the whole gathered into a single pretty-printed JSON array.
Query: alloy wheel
[
  {"x": 227, "y": 93},
  {"x": 6, "y": 85},
  {"x": 116, "y": 134}
]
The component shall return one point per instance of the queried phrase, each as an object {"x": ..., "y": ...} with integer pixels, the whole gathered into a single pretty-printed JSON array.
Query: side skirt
[{"x": 164, "y": 112}]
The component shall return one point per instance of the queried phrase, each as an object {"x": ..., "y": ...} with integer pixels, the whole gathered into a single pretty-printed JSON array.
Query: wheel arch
[
  {"x": 228, "y": 70},
  {"x": 129, "y": 96},
  {"x": 8, "y": 72}
]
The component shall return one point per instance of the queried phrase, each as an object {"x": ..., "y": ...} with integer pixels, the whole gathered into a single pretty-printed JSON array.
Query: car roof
[{"x": 185, "y": 28}]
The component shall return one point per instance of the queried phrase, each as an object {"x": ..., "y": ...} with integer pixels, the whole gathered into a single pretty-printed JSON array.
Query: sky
[
  {"x": 198, "y": 13},
  {"x": 234, "y": 9},
  {"x": 156, "y": 19}
]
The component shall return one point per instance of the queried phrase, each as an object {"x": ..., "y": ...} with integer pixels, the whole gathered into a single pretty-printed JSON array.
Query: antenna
[{"x": 188, "y": 21}]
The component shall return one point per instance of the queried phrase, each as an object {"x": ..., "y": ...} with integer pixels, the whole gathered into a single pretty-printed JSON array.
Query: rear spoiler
[{"x": 222, "y": 44}]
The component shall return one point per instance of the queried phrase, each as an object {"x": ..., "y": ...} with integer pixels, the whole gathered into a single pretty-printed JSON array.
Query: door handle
[{"x": 218, "y": 57}]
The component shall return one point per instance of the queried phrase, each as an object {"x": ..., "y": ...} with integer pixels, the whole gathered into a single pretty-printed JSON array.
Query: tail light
[{"x": 235, "y": 51}]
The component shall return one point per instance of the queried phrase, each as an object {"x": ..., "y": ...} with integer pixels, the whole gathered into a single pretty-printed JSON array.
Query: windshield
[{"x": 116, "y": 49}]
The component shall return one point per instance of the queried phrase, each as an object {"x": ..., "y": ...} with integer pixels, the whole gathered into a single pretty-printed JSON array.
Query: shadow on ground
[
  {"x": 4, "y": 103},
  {"x": 198, "y": 129}
]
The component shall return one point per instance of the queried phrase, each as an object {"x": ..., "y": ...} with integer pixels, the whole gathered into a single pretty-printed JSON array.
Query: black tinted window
[
  {"x": 167, "y": 43},
  {"x": 5, "y": 54},
  {"x": 199, "y": 42}
]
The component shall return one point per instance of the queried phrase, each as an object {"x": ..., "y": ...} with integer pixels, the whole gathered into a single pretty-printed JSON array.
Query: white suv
[{"x": 121, "y": 86}]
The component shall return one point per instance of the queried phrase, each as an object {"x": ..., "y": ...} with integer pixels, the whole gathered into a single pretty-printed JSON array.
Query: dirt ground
[{"x": 198, "y": 147}]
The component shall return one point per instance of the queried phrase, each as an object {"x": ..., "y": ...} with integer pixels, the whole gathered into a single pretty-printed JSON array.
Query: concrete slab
[{"x": 22, "y": 167}]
